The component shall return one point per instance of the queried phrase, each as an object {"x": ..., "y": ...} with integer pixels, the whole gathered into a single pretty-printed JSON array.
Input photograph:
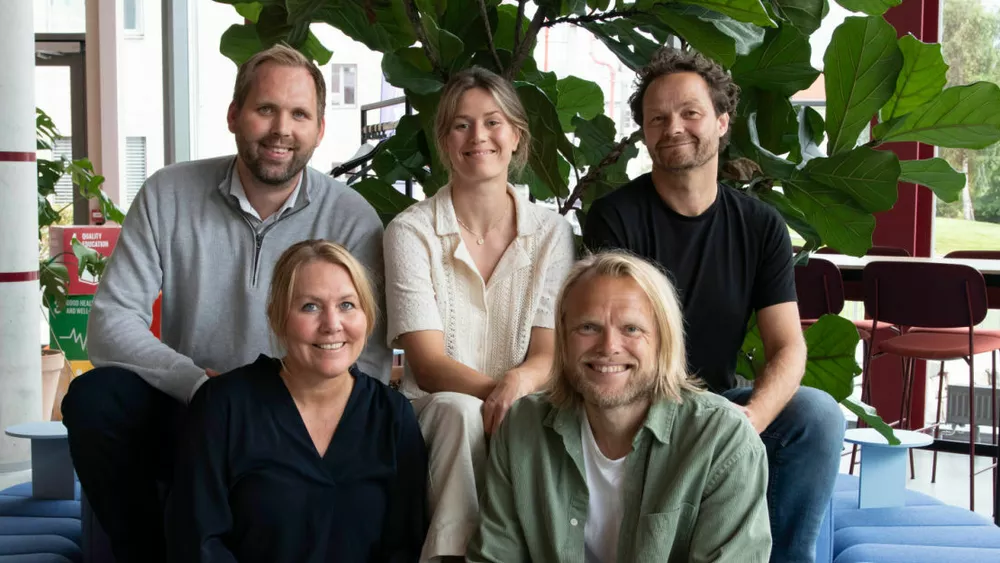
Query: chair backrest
[
  {"x": 924, "y": 294},
  {"x": 873, "y": 251},
  {"x": 819, "y": 287},
  {"x": 974, "y": 254}
]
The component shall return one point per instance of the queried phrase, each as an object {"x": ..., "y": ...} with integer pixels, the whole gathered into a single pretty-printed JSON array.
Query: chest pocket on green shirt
[{"x": 665, "y": 536}]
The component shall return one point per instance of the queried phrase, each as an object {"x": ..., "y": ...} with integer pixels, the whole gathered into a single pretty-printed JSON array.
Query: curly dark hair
[{"x": 725, "y": 93}]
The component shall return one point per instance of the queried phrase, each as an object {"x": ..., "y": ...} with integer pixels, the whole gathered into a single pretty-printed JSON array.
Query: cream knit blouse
[{"x": 432, "y": 283}]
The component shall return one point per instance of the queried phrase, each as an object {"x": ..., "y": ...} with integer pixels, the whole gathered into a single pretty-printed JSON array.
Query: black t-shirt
[{"x": 732, "y": 260}]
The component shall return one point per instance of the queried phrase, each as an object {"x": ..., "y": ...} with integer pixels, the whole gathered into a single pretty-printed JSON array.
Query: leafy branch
[
  {"x": 594, "y": 173},
  {"x": 517, "y": 23},
  {"x": 592, "y": 17},
  {"x": 412, "y": 13},
  {"x": 489, "y": 34},
  {"x": 523, "y": 49}
]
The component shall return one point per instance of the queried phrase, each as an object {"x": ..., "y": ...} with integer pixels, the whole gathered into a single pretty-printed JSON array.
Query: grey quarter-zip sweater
[{"x": 185, "y": 235}]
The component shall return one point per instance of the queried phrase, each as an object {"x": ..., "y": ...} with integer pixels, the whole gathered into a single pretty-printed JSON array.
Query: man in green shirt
[{"x": 624, "y": 458}]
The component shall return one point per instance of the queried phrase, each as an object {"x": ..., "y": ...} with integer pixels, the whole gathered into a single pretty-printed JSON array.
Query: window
[
  {"x": 132, "y": 17},
  {"x": 135, "y": 167},
  {"x": 63, "y": 148},
  {"x": 343, "y": 85}
]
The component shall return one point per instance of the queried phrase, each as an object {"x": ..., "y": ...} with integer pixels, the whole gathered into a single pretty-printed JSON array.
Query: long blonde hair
[{"x": 670, "y": 377}]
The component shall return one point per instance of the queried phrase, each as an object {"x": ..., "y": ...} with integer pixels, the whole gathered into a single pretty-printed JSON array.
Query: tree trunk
[{"x": 967, "y": 211}]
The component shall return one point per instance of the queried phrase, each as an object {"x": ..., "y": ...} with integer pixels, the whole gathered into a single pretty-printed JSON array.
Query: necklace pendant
[{"x": 480, "y": 241}]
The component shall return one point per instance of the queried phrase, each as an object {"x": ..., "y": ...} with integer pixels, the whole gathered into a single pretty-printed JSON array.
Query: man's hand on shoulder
[
  {"x": 211, "y": 372},
  {"x": 754, "y": 419}
]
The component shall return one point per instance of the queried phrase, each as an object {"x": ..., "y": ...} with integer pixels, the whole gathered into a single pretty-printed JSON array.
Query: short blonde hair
[
  {"x": 286, "y": 270},
  {"x": 503, "y": 93},
  {"x": 670, "y": 377},
  {"x": 283, "y": 55}
]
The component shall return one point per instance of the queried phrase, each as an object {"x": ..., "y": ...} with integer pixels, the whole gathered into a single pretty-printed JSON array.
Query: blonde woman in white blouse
[{"x": 472, "y": 275}]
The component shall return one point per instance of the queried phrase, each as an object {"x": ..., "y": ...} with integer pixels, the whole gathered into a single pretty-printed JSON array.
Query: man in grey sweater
[{"x": 207, "y": 235}]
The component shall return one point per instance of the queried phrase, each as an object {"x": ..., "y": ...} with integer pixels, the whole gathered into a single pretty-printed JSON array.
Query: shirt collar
[
  {"x": 236, "y": 190},
  {"x": 446, "y": 222},
  {"x": 659, "y": 422}
]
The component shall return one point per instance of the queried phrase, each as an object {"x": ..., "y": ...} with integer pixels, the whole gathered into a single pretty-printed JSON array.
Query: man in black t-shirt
[{"x": 729, "y": 256}]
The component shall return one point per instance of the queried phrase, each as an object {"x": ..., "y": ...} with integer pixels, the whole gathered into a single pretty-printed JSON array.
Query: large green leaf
[
  {"x": 631, "y": 47},
  {"x": 832, "y": 342},
  {"x": 922, "y": 77},
  {"x": 596, "y": 137},
  {"x": 746, "y": 142},
  {"x": 503, "y": 36},
  {"x": 750, "y": 11},
  {"x": 838, "y": 219},
  {"x": 962, "y": 117},
  {"x": 313, "y": 49},
  {"x": 780, "y": 63},
  {"x": 792, "y": 215},
  {"x": 702, "y": 35},
  {"x": 449, "y": 48},
  {"x": 401, "y": 156},
  {"x": 777, "y": 127},
  {"x": 867, "y": 414},
  {"x": 870, "y": 7},
  {"x": 387, "y": 200},
  {"x": 547, "y": 135},
  {"x": 869, "y": 177},
  {"x": 577, "y": 97},
  {"x": 538, "y": 187},
  {"x": 250, "y": 10},
  {"x": 409, "y": 69},
  {"x": 810, "y": 134},
  {"x": 273, "y": 25},
  {"x": 381, "y": 25},
  {"x": 804, "y": 15},
  {"x": 240, "y": 42},
  {"x": 861, "y": 66},
  {"x": 936, "y": 174}
]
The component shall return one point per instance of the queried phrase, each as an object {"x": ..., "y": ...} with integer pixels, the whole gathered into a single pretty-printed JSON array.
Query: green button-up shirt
[{"x": 695, "y": 484}]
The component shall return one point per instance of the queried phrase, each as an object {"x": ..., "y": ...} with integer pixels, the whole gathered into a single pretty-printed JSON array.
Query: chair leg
[
  {"x": 907, "y": 406},
  {"x": 937, "y": 422},
  {"x": 972, "y": 435},
  {"x": 993, "y": 419}
]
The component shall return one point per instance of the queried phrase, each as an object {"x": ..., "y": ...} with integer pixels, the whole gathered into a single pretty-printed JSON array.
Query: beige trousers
[{"x": 452, "y": 425}]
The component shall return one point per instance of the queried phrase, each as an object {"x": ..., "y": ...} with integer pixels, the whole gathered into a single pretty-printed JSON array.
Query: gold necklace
[{"x": 481, "y": 238}]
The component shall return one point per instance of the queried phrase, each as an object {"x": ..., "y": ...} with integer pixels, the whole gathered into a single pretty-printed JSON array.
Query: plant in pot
[
  {"x": 815, "y": 169},
  {"x": 53, "y": 275}
]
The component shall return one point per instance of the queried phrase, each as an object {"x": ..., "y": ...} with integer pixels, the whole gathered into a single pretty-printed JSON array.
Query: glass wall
[{"x": 970, "y": 32}]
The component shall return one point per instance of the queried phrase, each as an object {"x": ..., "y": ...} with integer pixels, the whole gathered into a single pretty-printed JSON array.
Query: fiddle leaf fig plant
[{"x": 813, "y": 168}]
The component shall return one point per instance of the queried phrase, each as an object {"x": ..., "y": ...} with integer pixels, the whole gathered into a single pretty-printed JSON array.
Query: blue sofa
[{"x": 923, "y": 531}]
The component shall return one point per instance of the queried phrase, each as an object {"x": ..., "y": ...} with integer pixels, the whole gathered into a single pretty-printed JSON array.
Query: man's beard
[
  {"x": 270, "y": 174},
  {"x": 638, "y": 387},
  {"x": 703, "y": 153}
]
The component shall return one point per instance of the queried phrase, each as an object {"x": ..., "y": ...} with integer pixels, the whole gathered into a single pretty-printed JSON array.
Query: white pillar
[{"x": 20, "y": 355}]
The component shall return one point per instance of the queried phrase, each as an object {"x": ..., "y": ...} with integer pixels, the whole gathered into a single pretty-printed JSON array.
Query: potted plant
[
  {"x": 828, "y": 196},
  {"x": 53, "y": 275}
]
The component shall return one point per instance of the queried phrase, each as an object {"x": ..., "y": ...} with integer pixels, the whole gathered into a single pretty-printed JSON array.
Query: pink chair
[
  {"x": 995, "y": 333},
  {"x": 949, "y": 296}
]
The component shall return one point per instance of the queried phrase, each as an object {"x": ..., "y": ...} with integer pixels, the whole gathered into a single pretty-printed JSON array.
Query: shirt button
[{"x": 573, "y": 522}]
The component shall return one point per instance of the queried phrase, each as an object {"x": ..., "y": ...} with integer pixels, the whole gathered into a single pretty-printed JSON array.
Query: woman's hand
[{"x": 511, "y": 387}]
